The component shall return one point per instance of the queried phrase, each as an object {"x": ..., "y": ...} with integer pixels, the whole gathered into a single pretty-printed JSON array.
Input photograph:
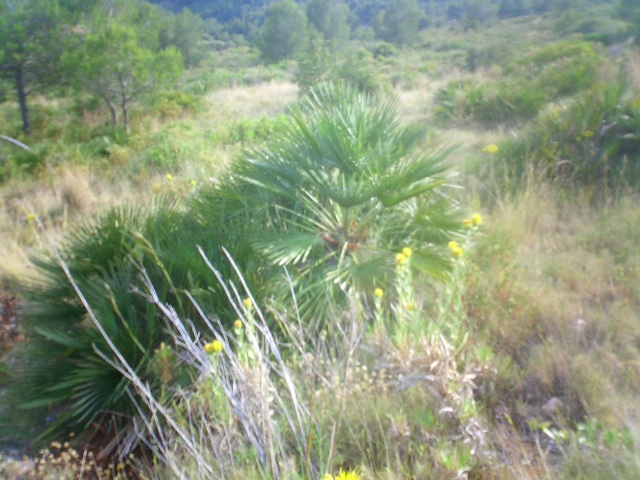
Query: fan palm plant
[
  {"x": 59, "y": 367},
  {"x": 337, "y": 194},
  {"x": 333, "y": 198}
]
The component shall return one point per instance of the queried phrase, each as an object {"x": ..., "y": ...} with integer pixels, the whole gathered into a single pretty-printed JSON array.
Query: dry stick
[
  {"x": 124, "y": 368},
  {"x": 238, "y": 408},
  {"x": 353, "y": 344},
  {"x": 303, "y": 416},
  {"x": 16, "y": 142},
  {"x": 307, "y": 460},
  {"x": 283, "y": 371}
]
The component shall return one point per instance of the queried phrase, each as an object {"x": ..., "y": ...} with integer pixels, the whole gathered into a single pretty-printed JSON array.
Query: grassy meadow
[{"x": 518, "y": 358}]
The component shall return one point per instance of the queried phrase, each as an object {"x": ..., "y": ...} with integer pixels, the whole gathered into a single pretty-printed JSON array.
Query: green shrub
[
  {"x": 591, "y": 139},
  {"x": 384, "y": 49},
  {"x": 336, "y": 194},
  {"x": 59, "y": 366},
  {"x": 18, "y": 163},
  {"x": 248, "y": 131},
  {"x": 562, "y": 69},
  {"x": 489, "y": 104},
  {"x": 58, "y": 362},
  {"x": 528, "y": 84},
  {"x": 175, "y": 103},
  {"x": 332, "y": 196},
  {"x": 357, "y": 70}
]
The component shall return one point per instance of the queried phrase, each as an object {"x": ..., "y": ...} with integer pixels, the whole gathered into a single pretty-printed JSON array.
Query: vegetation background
[{"x": 323, "y": 239}]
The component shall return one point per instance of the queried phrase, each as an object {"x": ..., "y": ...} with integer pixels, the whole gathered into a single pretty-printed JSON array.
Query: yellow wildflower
[
  {"x": 407, "y": 252},
  {"x": 476, "y": 219},
  {"x": 237, "y": 323},
  {"x": 350, "y": 475},
  {"x": 213, "y": 347},
  {"x": 30, "y": 218},
  {"x": 247, "y": 303},
  {"x": 378, "y": 292},
  {"x": 457, "y": 252},
  {"x": 401, "y": 258},
  {"x": 193, "y": 183},
  {"x": 169, "y": 177},
  {"x": 453, "y": 244},
  {"x": 491, "y": 148}
]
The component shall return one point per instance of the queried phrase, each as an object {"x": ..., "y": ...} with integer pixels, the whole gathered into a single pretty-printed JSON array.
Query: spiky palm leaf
[
  {"x": 339, "y": 192},
  {"x": 59, "y": 366},
  {"x": 332, "y": 199}
]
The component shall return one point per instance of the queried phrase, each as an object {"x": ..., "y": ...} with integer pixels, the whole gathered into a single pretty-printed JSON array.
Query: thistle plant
[
  {"x": 450, "y": 323},
  {"x": 405, "y": 310}
]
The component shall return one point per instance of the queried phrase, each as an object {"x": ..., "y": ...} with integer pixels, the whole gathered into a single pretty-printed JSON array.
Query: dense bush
[
  {"x": 332, "y": 197},
  {"x": 592, "y": 139},
  {"x": 248, "y": 131},
  {"x": 527, "y": 85}
]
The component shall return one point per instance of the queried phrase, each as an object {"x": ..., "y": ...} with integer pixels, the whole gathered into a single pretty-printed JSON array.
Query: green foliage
[
  {"x": 344, "y": 192},
  {"x": 284, "y": 32},
  {"x": 357, "y": 70},
  {"x": 185, "y": 31},
  {"x": 352, "y": 67},
  {"x": 476, "y": 13},
  {"x": 18, "y": 163},
  {"x": 629, "y": 10},
  {"x": 489, "y": 104},
  {"x": 329, "y": 17},
  {"x": 399, "y": 22},
  {"x": 529, "y": 83},
  {"x": 314, "y": 64},
  {"x": 175, "y": 103},
  {"x": 29, "y": 49},
  {"x": 582, "y": 466},
  {"x": 249, "y": 131},
  {"x": 105, "y": 258},
  {"x": 591, "y": 139},
  {"x": 511, "y": 8},
  {"x": 58, "y": 363},
  {"x": 384, "y": 50},
  {"x": 119, "y": 65},
  {"x": 332, "y": 195}
]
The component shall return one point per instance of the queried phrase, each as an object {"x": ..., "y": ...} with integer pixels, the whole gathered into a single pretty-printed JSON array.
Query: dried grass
[{"x": 263, "y": 100}]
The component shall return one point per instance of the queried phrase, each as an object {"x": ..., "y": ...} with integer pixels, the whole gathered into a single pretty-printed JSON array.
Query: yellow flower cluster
[
  {"x": 492, "y": 148},
  {"x": 456, "y": 249},
  {"x": 378, "y": 292},
  {"x": 169, "y": 177},
  {"x": 474, "y": 221},
  {"x": 30, "y": 218},
  {"x": 247, "y": 303},
  {"x": 402, "y": 257},
  {"x": 237, "y": 324},
  {"x": 213, "y": 347},
  {"x": 350, "y": 475}
]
